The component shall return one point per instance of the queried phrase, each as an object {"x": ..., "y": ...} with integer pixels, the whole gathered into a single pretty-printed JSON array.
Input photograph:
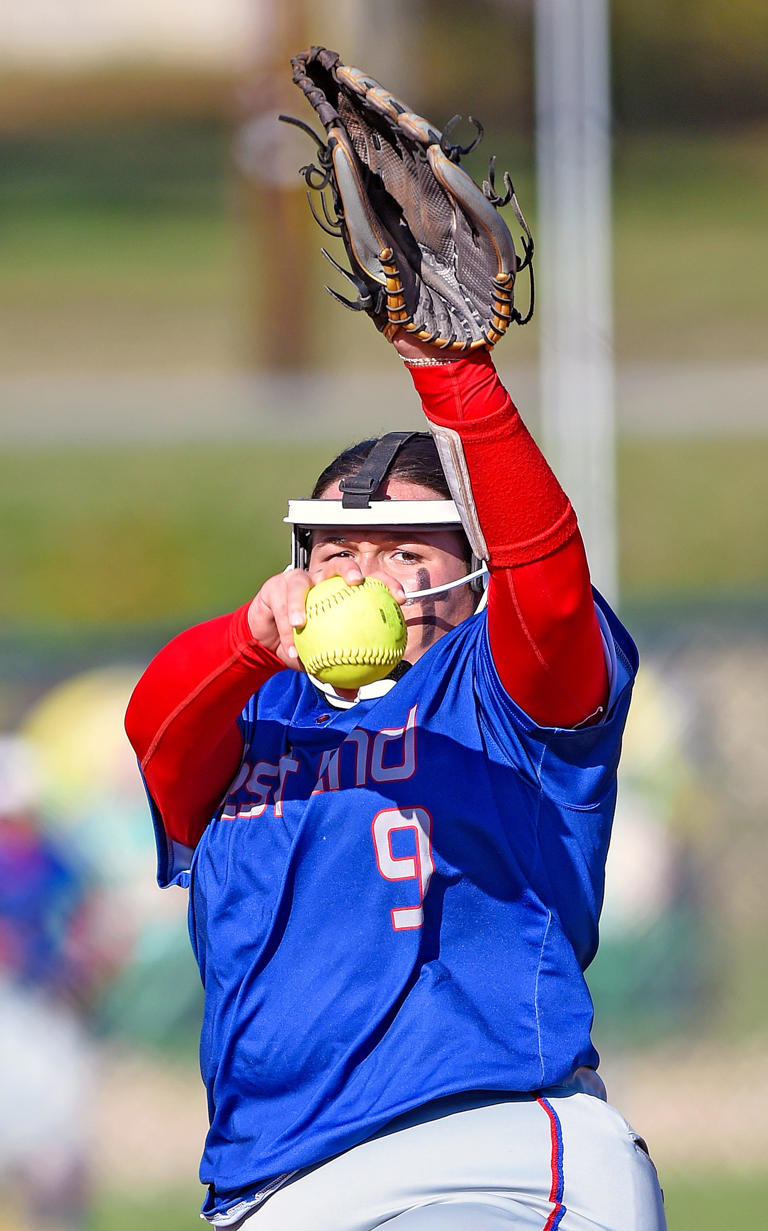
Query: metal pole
[{"x": 574, "y": 267}]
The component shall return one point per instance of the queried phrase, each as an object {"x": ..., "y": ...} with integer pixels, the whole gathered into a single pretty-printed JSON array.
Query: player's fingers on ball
[
  {"x": 287, "y": 645},
  {"x": 350, "y": 572},
  {"x": 396, "y": 590},
  {"x": 290, "y": 614},
  {"x": 297, "y": 584},
  {"x": 261, "y": 615},
  {"x": 275, "y": 598}
]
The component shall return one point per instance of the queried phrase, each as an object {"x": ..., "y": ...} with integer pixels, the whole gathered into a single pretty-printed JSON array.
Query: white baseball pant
[{"x": 567, "y": 1161}]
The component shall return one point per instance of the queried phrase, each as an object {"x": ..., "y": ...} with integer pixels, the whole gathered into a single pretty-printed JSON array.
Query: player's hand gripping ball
[{"x": 353, "y": 634}]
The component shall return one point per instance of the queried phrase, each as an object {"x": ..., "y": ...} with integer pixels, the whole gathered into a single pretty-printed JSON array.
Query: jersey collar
[{"x": 368, "y": 692}]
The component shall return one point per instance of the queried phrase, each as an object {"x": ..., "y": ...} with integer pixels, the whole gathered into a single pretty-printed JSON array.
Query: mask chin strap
[
  {"x": 449, "y": 585},
  {"x": 470, "y": 579}
]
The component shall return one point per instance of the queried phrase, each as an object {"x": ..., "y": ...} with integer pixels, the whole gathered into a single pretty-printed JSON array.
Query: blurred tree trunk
[
  {"x": 277, "y": 244},
  {"x": 280, "y": 243}
]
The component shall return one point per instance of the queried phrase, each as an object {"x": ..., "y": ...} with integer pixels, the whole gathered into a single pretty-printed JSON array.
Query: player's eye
[{"x": 407, "y": 557}]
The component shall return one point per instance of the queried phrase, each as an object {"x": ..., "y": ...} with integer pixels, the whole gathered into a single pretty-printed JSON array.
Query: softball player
[{"x": 394, "y": 893}]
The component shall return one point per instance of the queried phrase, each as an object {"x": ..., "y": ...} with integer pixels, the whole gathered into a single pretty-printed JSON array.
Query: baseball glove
[{"x": 429, "y": 251}]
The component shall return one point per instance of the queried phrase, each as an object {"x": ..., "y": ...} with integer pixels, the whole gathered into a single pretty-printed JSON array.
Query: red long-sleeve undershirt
[
  {"x": 542, "y": 626},
  {"x": 544, "y": 636}
]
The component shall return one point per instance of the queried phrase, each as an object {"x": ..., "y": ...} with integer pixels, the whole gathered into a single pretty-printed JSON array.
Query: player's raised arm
[
  {"x": 435, "y": 267},
  {"x": 543, "y": 629}
]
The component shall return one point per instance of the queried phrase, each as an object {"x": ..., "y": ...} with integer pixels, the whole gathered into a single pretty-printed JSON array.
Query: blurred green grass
[
  {"x": 92, "y": 289},
  {"x": 693, "y": 519},
  {"x": 694, "y": 1202},
  {"x": 100, "y": 536},
  {"x": 689, "y": 236},
  {"x": 714, "y": 1201},
  {"x": 122, "y": 259},
  {"x": 141, "y": 250}
]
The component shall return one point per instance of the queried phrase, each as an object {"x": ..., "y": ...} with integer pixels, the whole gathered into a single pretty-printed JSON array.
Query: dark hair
[{"x": 417, "y": 460}]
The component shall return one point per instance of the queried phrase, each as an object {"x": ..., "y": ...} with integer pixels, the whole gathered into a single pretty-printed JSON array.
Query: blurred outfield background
[{"x": 170, "y": 370}]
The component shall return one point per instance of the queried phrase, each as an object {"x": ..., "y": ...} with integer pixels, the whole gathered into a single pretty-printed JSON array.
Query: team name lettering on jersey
[{"x": 364, "y": 758}]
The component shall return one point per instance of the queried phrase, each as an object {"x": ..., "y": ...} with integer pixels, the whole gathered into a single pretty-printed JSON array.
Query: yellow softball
[{"x": 353, "y": 635}]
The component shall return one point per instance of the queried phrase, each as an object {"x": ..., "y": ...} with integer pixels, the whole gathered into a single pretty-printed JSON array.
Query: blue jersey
[{"x": 396, "y": 902}]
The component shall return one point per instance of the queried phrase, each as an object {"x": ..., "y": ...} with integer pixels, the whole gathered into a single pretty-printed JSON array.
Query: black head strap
[{"x": 358, "y": 488}]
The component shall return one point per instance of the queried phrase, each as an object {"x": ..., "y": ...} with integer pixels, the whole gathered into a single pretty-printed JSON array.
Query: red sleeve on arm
[
  {"x": 182, "y": 718},
  {"x": 543, "y": 630}
]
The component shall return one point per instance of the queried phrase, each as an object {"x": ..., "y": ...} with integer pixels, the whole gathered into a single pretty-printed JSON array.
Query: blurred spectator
[{"x": 50, "y": 964}]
